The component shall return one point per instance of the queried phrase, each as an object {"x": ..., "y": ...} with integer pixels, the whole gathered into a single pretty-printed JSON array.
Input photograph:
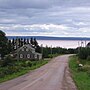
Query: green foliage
[
  {"x": 19, "y": 68},
  {"x": 3, "y": 44},
  {"x": 28, "y": 63},
  {"x": 88, "y": 58},
  {"x": 84, "y": 53},
  {"x": 88, "y": 72},
  {"x": 48, "y": 51},
  {"x": 52, "y": 55},
  {"x": 9, "y": 46},
  {"x": 2, "y": 74},
  {"x": 71, "y": 51},
  {"x": 82, "y": 77},
  {"x": 8, "y": 60}
]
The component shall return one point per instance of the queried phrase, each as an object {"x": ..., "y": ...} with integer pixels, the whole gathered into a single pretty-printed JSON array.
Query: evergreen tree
[
  {"x": 13, "y": 43},
  {"x": 27, "y": 41},
  {"x": 24, "y": 41},
  {"x": 19, "y": 41},
  {"x": 31, "y": 41},
  {"x": 10, "y": 46},
  {"x": 35, "y": 42},
  {"x": 3, "y": 44},
  {"x": 38, "y": 49}
]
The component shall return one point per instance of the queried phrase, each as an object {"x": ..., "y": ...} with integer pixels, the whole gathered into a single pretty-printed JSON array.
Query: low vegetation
[
  {"x": 16, "y": 68},
  {"x": 49, "y": 52},
  {"x": 84, "y": 53},
  {"x": 80, "y": 69}
]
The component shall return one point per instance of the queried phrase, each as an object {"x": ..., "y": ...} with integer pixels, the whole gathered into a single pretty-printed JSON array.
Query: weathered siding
[{"x": 28, "y": 53}]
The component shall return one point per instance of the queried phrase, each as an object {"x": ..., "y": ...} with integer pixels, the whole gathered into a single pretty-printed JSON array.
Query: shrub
[
  {"x": 2, "y": 74},
  {"x": 7, "y": 61},
  {"x": 50, "y": 56},
  {"x": 28, "y": 63},
  {"x": 83, "y": 53},
  {"x": 1, "y": 63},
  {"x": 88, "y": 58},
  {"x": 84, "y": 68},
  {"x": 88, "y": 72}
]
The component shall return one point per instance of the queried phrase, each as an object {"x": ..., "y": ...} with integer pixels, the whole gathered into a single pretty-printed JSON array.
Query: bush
[
  {"x": 88, "y": 58},
  {"x": 84, "y": 53},
  {"x": 84, "y": 68},
  {"x": 50, "y": 56},
  {"x": 1, "y": 63},
  {"x": 7, "y": 61},
  {"x": 28, "y": 63},
  {"x": 88, "y": 72},
  {"x": 2, "y": 74}
]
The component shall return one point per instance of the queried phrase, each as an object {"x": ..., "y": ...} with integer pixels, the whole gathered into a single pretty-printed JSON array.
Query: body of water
[{"x": 63, "y": 43}]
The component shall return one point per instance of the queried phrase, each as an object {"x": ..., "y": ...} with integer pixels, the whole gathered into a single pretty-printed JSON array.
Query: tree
[
  {"x": 27, "y": 41},
  {"x": 31, "y": 41},
  {"x": 24, "y": 41},
  {"x": 3, "y": 44},
  {"x": 13, "y": 43},
  {"x": 35, "y": 42},
  {"x": 10, "y": 46}
]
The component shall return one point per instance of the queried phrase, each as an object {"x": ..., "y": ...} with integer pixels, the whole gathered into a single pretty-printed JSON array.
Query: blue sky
[{"x": 61, "y": 18}]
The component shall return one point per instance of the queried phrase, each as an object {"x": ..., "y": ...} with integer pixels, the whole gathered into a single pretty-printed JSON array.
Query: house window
[
  {"x": 22, "y": 49},
  {"x": 21, "y": 55},
  {"x": 28, "y": 55},
  {"x": 27, "y": 49},
  {"x": 35, "y": 56}
]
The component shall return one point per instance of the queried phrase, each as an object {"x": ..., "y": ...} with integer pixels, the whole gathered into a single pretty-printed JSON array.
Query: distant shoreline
[{"x": 50, "y": 38}]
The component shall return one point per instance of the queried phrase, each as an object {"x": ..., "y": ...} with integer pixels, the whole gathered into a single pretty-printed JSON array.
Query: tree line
[
  {"x": 19, "y": 42},
  {"x": 7, "y": 46},
  {"x": 84, "y": 53}
]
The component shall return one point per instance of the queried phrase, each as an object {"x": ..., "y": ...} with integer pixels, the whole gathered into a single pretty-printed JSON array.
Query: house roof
[{"x": 27, "y": 46}]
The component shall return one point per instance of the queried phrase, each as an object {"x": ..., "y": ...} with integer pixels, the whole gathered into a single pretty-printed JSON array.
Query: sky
[{"x": 59, "y": 18}]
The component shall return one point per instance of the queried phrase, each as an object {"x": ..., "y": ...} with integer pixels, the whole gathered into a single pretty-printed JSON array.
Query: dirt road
[{"x": 52, "y": 76}]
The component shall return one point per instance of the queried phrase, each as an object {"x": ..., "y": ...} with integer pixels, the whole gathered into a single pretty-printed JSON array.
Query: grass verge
[
  {"x": 81, "y": 78},
  {"x": 36, "y": 64}
]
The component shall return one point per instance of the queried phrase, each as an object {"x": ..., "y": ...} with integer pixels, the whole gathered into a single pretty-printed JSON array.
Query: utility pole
[
  {"x": 42, "y": 49},
  {"x": 0, "y": 53},
  {"x": 78, "y": 47},
  {"x": 51, "y": 50},
  {"x": 81, "y": 43}
]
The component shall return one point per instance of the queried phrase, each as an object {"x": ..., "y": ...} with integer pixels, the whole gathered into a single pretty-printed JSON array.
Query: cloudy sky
[{"x": 62, "y": 18}]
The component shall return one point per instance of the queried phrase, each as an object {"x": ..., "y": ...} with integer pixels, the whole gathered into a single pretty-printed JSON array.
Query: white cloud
[{"x": 45, "y": 17}]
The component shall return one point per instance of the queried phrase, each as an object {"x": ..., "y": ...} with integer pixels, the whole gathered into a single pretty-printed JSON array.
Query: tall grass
[
  {"x": 81, "y": 78},
  {"x": 24, "y": 69}
]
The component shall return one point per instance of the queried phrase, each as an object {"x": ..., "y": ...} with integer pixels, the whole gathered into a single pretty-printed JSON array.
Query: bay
[{"x": 63, "y": 43}]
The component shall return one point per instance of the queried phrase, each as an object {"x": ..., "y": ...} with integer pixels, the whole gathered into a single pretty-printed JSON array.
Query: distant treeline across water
[
  {"x": 50, "y": 38},
  {"x": 64, "y": 42}
]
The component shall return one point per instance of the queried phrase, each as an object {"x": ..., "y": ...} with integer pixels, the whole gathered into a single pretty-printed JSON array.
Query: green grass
[
  {"x": 81, "y": 78},
  {"x": 36, "y": 64}
]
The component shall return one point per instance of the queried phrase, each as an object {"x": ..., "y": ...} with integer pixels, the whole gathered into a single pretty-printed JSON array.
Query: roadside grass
[
  {"x": 24, "y": 70},
  {"x": 81, "y": 78}
]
